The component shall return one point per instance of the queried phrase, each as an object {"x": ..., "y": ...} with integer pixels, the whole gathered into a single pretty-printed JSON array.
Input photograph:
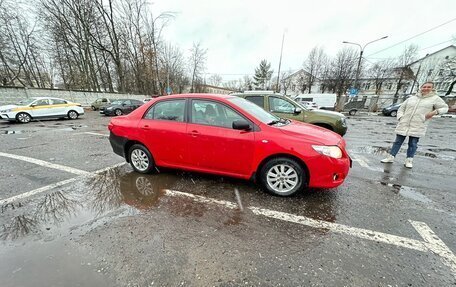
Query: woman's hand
[{"x": 431, "y": 114}]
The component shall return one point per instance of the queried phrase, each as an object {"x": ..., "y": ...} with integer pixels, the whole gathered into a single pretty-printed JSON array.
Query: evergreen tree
[{"x": 262, "y": 75}]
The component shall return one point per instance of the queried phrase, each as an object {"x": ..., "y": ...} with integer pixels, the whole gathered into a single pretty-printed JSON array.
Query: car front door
[
  {"x": 213, "y": 144},
  {"x": 164, "y": 132},
  {"x": 283, "y": 108},
  {"x": 40, "y": 108}
]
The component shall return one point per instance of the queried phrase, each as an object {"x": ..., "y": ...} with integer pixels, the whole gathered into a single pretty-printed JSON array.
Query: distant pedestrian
[{"x": 413, "y": 116}]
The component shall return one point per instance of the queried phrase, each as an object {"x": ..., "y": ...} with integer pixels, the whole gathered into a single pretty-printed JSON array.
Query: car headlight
[
  {"x": 343, "y": 121},
  {"x": 331, "y": 151},
  {"x": 6, "y": 111}
]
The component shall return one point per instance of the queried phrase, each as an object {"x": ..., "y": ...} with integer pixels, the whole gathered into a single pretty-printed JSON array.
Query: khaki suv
[{"x": 285, "y": 107}]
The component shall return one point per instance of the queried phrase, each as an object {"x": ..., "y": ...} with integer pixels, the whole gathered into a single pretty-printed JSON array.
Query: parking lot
[{"x": 73, "y": 214}]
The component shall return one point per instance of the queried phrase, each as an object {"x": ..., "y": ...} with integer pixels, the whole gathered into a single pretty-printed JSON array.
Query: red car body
[{"x": 227, "y": 151}]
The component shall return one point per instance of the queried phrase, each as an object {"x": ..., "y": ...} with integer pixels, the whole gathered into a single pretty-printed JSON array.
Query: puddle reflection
[{"x": 117, "y": 188}]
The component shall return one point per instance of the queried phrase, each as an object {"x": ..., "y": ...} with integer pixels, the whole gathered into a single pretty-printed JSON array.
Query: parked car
[
  {"x": 230, "y": 136},
  {"x": 285, "y": 107},
  {"x": 100, "y": 103},
  {"x": 391, "y": 110},
  {"x": 40, "y": 108},
  {"x": 120, "y": 107},
  {"x": 309, "y": 105}
]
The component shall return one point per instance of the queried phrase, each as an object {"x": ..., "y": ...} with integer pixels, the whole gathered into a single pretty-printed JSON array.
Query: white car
[
  {"x": 309, "y": 105},
  {"x": 39, "y": 108}
]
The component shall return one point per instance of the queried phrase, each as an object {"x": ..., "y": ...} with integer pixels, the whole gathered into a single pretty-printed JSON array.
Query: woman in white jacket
[{"x": 413, "y": 117}]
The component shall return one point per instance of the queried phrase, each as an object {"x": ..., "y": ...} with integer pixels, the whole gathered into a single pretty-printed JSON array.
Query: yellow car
[{"x": 39, "y": 108}]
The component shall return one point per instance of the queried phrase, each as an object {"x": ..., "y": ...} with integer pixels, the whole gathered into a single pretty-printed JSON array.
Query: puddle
[
  {"x": 11, "y": 132},
  {"x": 377, "y": 150},
  {"x": 411, "y": 193},
  {"x": 407, "y": 192}
]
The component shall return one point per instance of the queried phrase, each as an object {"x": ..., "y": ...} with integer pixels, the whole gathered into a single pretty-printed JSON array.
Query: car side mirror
[
  {"x": 297, "y": 111},
  {"x": 241, "y": 125}
]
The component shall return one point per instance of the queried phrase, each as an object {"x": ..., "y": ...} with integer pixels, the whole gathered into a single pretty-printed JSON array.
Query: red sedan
[{"x": 230, "y": 136}]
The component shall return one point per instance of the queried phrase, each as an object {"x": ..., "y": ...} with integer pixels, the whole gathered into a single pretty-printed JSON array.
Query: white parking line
[
  {"x": 431, "y": 243},
  {"x": 54, "y": 185},
  {"x": 96, "y": 134},
  {"x": 44, "y": 163}
]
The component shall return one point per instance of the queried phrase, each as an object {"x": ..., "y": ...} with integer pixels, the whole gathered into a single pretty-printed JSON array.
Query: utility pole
[
  {"x": 361, "y": 56},
  {"x": 280, "y": 63}
]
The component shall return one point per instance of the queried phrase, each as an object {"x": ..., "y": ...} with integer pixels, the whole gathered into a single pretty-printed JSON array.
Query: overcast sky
[{"x": 238, "y": 34}]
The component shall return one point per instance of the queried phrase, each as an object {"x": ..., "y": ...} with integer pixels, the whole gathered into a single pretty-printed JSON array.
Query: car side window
[
  {"x": 173, "y": 110},
  {"x": 213, "y": 114},
  {"x": 257, "y": 100},
  {"x": 41, "y": 102},
  {"x": 280, "y": 105},
  {"x": 127, "y": 102},
  {"x": 58, "y": 102}
]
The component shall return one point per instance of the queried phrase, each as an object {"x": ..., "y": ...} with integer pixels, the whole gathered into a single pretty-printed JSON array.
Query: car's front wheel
[
  {"x": 140, "y": 159},
  {"x": 118, "y": 112},
  {"x": 23, "y": 118},
  {"x": 72, "y": 115},
  {"x": 282, "y": 176},
  {"x": 393, "y": 113}
]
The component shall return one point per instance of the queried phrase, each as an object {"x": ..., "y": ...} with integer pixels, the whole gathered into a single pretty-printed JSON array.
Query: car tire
[
  {"x": 352, "y": 112},
  {"x": 118, "y": 112},
  {"x": 393, "y": 113},
  {"x": 141, "y": 159},
  {"x": 72, "y": 115},
  {"x": 23, "y": 118},
  {"x": 282, "y": 176},
  {"x": 93, "y": 108}
]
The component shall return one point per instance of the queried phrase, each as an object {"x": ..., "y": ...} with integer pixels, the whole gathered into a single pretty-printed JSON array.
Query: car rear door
[
  {"x": 213, "y": 144},
  {"x": 164, "y": 131}
]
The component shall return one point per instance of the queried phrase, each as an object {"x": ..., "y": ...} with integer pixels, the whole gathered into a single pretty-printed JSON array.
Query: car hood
[
  {"x": 311, "y": 133},
  {"x": 327, "y": 113},
  {"x": 7, "y": 107}
]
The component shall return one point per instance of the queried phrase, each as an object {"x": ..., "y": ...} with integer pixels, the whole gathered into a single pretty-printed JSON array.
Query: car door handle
[
  {"x": 145, "y": 127},
  {"x": 194, "y": 133}
]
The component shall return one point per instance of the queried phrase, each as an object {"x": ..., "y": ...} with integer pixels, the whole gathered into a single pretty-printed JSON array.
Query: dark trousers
[{"x": 412, "y": 145}]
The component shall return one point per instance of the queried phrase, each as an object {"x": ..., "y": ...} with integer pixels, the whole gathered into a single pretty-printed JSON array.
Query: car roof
[
  {"x": 47, "y": 98},
  {"x": 198, "y": 95}
]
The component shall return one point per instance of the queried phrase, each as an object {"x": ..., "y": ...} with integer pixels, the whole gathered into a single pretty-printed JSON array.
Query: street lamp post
[{"x": 361, "y": 56}]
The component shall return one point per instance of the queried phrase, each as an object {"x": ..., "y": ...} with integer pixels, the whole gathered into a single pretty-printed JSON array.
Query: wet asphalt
[{"x": 114, "y": 227}]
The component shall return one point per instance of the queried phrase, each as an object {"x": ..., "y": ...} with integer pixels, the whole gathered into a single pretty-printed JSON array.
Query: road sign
[{"x": 353, "y": 92}]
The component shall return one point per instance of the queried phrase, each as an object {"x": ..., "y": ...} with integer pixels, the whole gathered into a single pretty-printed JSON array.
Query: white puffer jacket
[{"x": 412, "y": 113}]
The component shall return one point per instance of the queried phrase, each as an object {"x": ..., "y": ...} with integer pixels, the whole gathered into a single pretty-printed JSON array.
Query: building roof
[{"x": 428, "y": 55}]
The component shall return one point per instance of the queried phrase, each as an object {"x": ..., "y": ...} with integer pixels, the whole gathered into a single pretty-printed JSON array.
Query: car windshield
[
  {"x": 255, "y": 110},
  {"x": 25, "y": 102}
]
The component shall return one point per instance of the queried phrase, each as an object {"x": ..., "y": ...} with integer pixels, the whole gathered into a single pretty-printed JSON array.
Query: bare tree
[
  {"x": 380, "y": 72},
  {"x": 403, "y": 67},
  {"x": 172, "y": 61},
  {"x": 286, "y": 81},
  {"x": 314, "y": 65},
  {"x": 448, "y": 73},
  {"x": 215, "y": 80},
  {"x": 339, "y": 73},
  {"x": 197, "y": 63}
]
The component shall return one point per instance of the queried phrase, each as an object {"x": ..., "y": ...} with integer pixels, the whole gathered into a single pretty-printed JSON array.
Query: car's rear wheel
[
  {"x": 393, "y": 113},
  {"x": 72, "y": 115},
  {"x": 282, "y": 176},
  {"x": 118, "y": 112},
  {"x": 352, "y": 112},
  {"x": 140, "y": 159},
  {"x": 23, "y": 118},
  {"x": 94, "y": 108}
]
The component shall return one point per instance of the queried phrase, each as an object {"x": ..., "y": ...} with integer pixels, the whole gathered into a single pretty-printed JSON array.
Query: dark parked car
[
  {"x": 121, "y": 107},
  {"x": 391, "y": 110}
]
